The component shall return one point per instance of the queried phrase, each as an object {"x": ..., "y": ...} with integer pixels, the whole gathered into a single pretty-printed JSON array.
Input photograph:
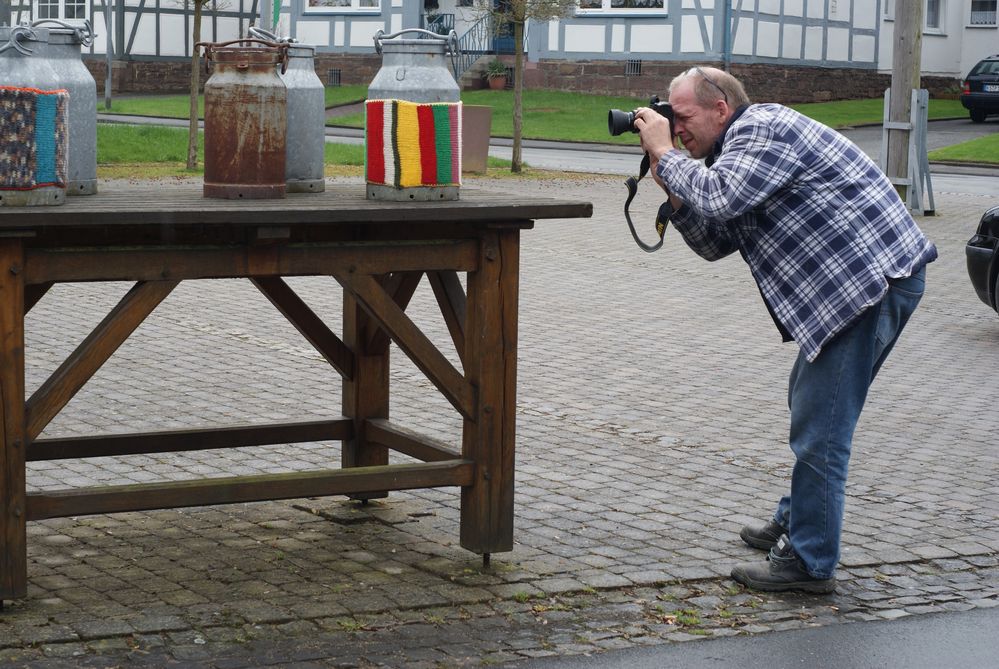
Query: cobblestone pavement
[{"x": 651, "y": 427}]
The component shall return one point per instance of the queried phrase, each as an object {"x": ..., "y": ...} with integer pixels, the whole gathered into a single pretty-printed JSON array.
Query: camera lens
[{"x": 620, "y": 122}]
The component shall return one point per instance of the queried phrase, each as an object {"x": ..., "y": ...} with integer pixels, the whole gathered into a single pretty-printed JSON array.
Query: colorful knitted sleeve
[
  {"x": 412, "y": 144},
  {"x": 33, "y": 138}
]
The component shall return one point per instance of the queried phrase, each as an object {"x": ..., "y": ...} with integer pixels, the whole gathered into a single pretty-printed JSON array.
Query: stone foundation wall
[
  {"x": 353, "y": 69},
  {"x": 137, "y": 76},
  {"x": 771, "y": 83},
  {"x": 174, "y": 76}
]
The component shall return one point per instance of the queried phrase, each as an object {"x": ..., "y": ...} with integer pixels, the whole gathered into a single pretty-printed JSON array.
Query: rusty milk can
[
  {"x": 413, "y": 120},
  {"x": 306, "y": 139},
  {"x": 245, "y": 120}
]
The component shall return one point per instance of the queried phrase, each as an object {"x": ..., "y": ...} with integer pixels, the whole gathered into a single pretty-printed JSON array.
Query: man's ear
[{"x": 722, "y": 109}]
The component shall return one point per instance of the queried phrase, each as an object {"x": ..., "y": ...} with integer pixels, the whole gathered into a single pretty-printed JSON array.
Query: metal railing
[
  {"x": 442, "y": 24},
  {"x": 475, "y": 43}
]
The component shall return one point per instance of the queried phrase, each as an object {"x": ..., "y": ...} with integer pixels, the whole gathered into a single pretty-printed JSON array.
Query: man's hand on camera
[
  {"x": 655, "y": 133},
  {"x": 657, "y": 138}
]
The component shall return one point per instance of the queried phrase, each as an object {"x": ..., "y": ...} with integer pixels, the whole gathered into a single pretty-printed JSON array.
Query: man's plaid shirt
[{"x": 819, "y": 224}]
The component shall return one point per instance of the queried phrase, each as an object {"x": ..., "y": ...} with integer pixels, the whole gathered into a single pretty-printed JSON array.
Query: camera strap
[{"x": 662, "y": 218}]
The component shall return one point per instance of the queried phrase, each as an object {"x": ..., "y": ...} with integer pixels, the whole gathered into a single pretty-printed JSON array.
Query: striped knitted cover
[
  {"x": 33, "y": 138},
  {"x": 413, "y": 144}
]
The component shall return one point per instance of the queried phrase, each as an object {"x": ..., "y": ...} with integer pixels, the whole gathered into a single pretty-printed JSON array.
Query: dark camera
[{"x": 619, "y": 122}]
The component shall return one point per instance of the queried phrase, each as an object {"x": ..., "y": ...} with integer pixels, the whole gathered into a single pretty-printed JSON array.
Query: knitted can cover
[
  {"x": 413, "y": 144},
  {"x": 33, "y": 138}
]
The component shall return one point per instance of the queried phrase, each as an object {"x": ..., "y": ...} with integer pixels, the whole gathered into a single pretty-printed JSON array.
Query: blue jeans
[{"x": 826, "y": 397}]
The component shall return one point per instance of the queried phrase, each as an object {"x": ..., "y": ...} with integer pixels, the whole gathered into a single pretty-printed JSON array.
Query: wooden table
[{"x": 158, "y": 236}]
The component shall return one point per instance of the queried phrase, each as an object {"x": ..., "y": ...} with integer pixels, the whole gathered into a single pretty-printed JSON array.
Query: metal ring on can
[
  {"x": 260, "y": 33},
  {"x": 210, "y": 47},
  {"x": 17, "y": 33},
  {"x": 84, "y": 33},
  {"x": 450, "y": 38}
]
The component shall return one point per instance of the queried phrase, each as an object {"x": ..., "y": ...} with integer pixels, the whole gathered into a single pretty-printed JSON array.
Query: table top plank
[{"x": 158, "y": 204}]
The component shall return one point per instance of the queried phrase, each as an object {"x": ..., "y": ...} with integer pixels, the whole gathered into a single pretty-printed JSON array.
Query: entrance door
[{"x": 503, "y": 41}]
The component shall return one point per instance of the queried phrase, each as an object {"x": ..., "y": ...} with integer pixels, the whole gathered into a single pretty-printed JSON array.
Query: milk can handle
[
  {"x": 452, "y": 38},
  {"x": 211, "y": 46},
  {"x": 84, "y": 33},
  {"x": 17, "y": 33},
  {"x": 254, "y": 31}
]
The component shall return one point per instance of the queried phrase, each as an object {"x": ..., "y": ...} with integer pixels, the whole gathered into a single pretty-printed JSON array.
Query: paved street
[{"x": 651, "y": 427}]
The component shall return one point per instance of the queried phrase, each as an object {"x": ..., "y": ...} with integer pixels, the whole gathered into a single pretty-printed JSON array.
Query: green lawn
[
  {"x": 126, "y": 150},
  {"x": 178, "y": 106},
  {"x": 566, "y": 116},
  {"x": 982, "y": 150},
  {"x": 554, "y": 115},
  {"x": 120, "y": 143},
  {"x": 131, "y": 144},
  {"x": 846, "y": 113}
]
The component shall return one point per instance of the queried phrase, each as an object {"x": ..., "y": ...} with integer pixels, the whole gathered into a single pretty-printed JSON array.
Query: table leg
[
  {"x": 13, "y": 539},
  {"x": 366, "y": 395},
  {"x": 491, "y": 366}
]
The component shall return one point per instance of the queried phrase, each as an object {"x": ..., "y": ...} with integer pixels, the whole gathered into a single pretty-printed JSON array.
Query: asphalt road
[{"x": 966, "y": 639}]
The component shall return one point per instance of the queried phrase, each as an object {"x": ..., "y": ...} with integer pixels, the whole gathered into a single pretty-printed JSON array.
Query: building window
[
  {"x": 76, "y": 9},
  {"x": 934, "y": 18},
  {"x": 344, "y": 5},
  {"x": 48, "y": 9},
  {"x": 983, "y": 12},
  {"x": 933, "y": 13},
  {"x": 630, "y": 6},
  {"x": 67, "y": 10}
]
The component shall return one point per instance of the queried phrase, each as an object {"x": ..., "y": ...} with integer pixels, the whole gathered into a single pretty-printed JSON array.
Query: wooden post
[
  {"x": 13, "y": 538},
  {"x": 905, "y": 70},
  {"x": 491, "y": 366},
  {"x": 366, "y": 394}
]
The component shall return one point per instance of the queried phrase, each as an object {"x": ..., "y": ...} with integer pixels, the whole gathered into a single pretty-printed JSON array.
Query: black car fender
[{"x": 982, "y": 252}]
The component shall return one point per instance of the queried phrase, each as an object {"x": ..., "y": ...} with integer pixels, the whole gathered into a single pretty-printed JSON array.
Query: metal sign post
[
  {"x": 270, "y": 14},
  {"x": 265, "y": 15},
  {"x": 107, "y": 54}
]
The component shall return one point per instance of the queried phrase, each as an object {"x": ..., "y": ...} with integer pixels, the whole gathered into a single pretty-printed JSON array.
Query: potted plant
[{"x": 496, "y": 74}]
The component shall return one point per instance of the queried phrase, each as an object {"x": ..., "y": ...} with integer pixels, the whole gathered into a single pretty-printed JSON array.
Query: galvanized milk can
[
  {"x": 34, "y": 169},
  {"x": 63, "y": 52},
  {"x": 245, "y": 120},
  {"x": 306, "y": 137},
  {"x": 413, "y": 120}
]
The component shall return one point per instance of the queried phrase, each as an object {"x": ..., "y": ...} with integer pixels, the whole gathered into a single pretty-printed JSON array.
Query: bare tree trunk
[
  {"x": 192, "y": 139},
  {"x": 516, "y": 164}
]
